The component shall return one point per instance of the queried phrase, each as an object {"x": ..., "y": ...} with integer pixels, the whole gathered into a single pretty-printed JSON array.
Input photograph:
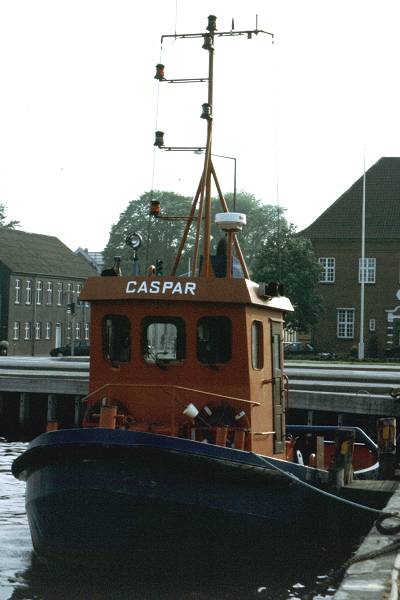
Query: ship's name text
[{"x": 161, "y": 287}]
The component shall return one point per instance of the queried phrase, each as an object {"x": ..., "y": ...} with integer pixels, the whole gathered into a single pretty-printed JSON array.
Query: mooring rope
[{"x": 383, "y": 515}]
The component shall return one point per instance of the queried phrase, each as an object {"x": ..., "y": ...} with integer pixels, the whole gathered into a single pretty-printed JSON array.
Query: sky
[{"x": 79, "y": 104}]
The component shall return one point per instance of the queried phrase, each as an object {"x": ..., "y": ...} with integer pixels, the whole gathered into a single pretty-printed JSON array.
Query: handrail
[
  {"x": 172, "y": 387},
  {"x": 314, "y": 428}
]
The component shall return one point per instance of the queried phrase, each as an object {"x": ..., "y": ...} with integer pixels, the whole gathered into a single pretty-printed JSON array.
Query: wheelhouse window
[
  {"x": 163, "y": 339},
  {"x": 117, "y": 338},
  {"x": 345, "y": 323},
  {"x": 214, "y": 340},
  {"x": 257, "y": 345}
]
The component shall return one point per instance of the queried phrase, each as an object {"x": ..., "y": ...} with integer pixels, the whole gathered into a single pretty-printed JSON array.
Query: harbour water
[{"x": 298, "y": 570}]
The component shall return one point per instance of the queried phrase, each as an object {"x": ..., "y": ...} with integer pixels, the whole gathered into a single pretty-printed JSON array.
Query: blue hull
[{"x": 100, "y": 493}]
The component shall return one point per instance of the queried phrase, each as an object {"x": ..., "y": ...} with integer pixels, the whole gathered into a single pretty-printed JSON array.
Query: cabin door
[{"x": 277, "y": 387}]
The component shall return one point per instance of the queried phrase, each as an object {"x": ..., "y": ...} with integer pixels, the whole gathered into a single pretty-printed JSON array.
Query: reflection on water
[{"x": 298, "y": 570}]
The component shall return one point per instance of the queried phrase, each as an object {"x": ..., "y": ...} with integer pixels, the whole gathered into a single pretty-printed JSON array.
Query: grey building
[{"x": 40, "y": 283}]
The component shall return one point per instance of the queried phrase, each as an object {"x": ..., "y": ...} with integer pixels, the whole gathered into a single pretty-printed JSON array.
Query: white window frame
[
  {"x": 27, "y": 330},
  {"x": 39, "y": 292},
  {"x": 69, "y": 293},
  {"x": 86, "y": 329},
  {"x": 59, "y": 293},
  {"x": 17, "y": 291},
  {"x": 328, "y": 274},
  {"x": 48, "y": 330},
  {"x": 38, "y": 330},
  {"x": 372, "y": 325},
  {"x": 28, "y": 292},
  {"x": 368, "y": 270},
  {"x": 49, "y": 293},
  {"x": 345, "y": 320},
  {"x": 77, "y": 330},
  {"x": 16, "y": 330},
  {"x": 69, "y": 330}
]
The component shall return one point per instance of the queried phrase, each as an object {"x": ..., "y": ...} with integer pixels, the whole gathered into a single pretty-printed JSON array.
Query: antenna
[{"x": 203, "y": 194}]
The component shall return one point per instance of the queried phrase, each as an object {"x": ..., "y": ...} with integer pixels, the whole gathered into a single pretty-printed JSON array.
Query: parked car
[
  {"x": 81, "y": 348},
  {"x": 298, "y": 348},
  {"x": 291, "y": 349}
]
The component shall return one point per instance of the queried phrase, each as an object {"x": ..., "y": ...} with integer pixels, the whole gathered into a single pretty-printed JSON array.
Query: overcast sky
[{"x": 79, "y": 104}]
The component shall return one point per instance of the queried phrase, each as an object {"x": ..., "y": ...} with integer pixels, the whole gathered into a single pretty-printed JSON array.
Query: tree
[
  {"x": 10, "y": 224},
  {"x": 161, "y": 238},
  {"x": 289, "y": 258}
]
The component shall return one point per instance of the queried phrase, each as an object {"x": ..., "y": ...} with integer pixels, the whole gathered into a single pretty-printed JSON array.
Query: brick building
[
  {"x": 39, "y": 278},
  {"x": 336, "y": 238}
]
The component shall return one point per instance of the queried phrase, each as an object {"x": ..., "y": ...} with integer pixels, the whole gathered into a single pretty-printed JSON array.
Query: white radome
[{"x": 230, "y": 221}]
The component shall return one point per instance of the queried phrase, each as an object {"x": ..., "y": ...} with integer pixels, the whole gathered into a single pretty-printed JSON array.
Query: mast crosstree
[{"x": 202, "y": 200}]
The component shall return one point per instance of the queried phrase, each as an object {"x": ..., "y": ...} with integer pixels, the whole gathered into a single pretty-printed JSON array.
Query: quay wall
[{"x": 34, "y": 390}]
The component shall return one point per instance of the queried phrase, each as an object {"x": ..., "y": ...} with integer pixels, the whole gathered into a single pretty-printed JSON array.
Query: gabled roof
[
  {"x": 382, "y": 207},
  {"x": 34, "y": 253},
  {"x": 93, "y": 258}
]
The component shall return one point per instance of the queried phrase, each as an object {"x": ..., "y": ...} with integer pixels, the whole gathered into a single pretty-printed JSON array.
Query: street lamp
[{"x": 234, "y": 173}]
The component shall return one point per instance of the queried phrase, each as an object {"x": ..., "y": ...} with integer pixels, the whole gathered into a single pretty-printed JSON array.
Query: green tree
[
  {"x": 10, "y": 224},
  {"x": 161, "y": 238},
  {"x": 262, "y": 221},
  {"x": 289, "y": 258}
]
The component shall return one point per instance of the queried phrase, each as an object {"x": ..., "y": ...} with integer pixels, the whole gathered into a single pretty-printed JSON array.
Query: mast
[{"x": 202, "y": 202}]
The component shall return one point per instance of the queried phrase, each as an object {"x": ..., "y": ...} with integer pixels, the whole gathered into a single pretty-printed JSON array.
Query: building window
[
  {"x": 345, "y": 323},
  {"x": 372, "y": 325},
  {"x": 366, "y": 270},
  {"x": 69, "y": 330},
  {"x": 16, "y": 328},
  {"x": 49, "y": 293},
  {"x": 59, "y": 293},
  {"x": 257, "y": 345},
  {"x": 86, "y": 328},
  {"x": 17, "y": 291},
  {"x": 214, "y": 340},
  {"x": 69, "y": 293},
  {"x": 39, "y": 292},
  {"x": 38, "y": 330},
  {"x": 28, "y": 290},
  {"x": 77, "y": 293},
  {"x": 27, "y": 330},
  {"x": 327, "y": 274},
  {"x": 48, "y": 330},
  {"x": 77, "y": 330}
]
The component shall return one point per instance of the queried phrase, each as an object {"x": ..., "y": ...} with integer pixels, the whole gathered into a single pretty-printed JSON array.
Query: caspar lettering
[{"x": 161, "y": 287}]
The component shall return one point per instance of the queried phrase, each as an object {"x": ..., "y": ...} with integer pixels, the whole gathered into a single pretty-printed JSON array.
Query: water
[{"x": 298, "y": 572}]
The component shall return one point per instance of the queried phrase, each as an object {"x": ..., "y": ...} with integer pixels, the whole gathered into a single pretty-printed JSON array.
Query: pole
[
  {"x": 361, "y": 347},
  {"x": 234, "y": 177}
]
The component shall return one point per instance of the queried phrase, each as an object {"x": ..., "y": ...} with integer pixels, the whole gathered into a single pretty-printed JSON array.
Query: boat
[{"x": 183, "y": 438}]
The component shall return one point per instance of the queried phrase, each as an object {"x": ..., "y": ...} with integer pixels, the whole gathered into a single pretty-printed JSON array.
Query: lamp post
[{"x": 234, "y": 173}]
